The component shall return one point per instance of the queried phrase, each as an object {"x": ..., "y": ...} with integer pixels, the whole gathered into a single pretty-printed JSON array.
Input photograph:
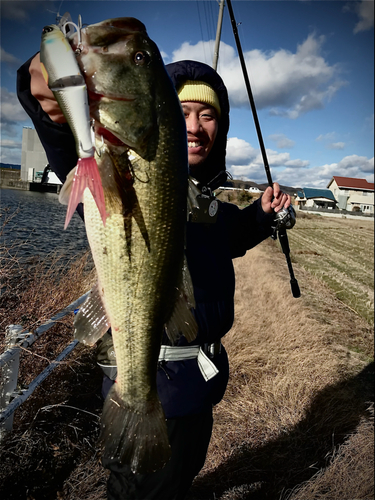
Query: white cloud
[
  {"x": 330, "y": 136},
  {"x": 328, "y": 139},
  {"x": 297, "y": 163},
  {"x": 164, "y": 56},
  {"x": 9, "y": 58},
  {"x": 288, "y": 83},
  {"x": 11, "y": 109},
  {"x": 202, "y": 51},
  {"x": 239, "y": 151},
  {"x": 10, "y": 151},
  {"x": 365, "y": 11},
  {"x": 336, "y": 145},
  {"x": 19, "y": 11},
  {"x": 282, "y": 141},
  {"x": 245, "y": 162},
  {"x": 356, "y": 166},
  {"x": 10, "y": 143}
]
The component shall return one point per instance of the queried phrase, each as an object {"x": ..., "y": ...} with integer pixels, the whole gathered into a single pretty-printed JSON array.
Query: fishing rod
[{"x": 285, "y": 219}]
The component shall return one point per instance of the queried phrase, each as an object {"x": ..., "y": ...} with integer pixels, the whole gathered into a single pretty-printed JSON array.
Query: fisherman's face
[{"x": 202, "y": 126}]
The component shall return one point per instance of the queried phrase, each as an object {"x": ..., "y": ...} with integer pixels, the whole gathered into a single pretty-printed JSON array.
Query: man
[{"x": 211, "y": 244}]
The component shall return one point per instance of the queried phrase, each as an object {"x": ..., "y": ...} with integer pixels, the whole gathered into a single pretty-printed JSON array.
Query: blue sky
[{"x": 310, "y": 64}]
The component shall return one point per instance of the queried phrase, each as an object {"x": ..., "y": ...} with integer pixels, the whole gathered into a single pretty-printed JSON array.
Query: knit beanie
[{"x": 197, "y": 91}]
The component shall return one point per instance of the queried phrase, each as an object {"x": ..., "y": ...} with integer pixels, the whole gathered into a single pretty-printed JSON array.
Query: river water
[{"x": 37, "y": 228}]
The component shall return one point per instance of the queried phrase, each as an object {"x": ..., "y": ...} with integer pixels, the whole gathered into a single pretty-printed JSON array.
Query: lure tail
[{"x": 86, "y": 175}]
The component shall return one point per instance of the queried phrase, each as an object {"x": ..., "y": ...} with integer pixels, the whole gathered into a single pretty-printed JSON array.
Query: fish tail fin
[
  {"x": 134, "y": 435},
  {"x": 86, "y": 175}
]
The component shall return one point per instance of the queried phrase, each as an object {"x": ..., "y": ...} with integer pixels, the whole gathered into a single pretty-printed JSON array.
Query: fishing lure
[{"x": 63, "y": 76}]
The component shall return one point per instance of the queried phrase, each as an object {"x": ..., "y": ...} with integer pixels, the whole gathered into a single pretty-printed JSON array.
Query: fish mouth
[
  {"x": 97, "y": 96},
  {"x": 109, "y": 137},
  {"x": 102, "y": 131}
]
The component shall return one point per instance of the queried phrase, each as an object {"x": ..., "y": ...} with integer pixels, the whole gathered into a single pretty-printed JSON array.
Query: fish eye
[
  {"x": 140, "y": 58},
  {"x": 47, "y": 29}
]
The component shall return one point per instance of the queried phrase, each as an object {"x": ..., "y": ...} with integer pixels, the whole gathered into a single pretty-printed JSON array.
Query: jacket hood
[{"x": 182, "y": 71}]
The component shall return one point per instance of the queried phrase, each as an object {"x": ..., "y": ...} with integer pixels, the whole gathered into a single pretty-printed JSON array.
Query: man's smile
[{"x": 194, "y": 144}]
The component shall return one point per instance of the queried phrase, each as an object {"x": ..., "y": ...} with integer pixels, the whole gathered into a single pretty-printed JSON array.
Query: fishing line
[{"x": 200, "y": 24}]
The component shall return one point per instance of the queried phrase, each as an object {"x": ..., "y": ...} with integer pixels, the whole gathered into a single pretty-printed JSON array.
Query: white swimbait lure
[{"x": 63, "y": 76}]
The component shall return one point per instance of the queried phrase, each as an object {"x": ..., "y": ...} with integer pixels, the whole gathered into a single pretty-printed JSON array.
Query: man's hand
[
  {"x": 41, "y": 92},
  {"x": 274, "y": 200}
]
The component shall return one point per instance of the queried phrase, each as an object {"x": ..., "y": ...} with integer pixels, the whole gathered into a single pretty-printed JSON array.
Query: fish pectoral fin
[
  {"x": 134, "y": 435},
  {"x": 67, "y": 187},
  {"x": 91, "y": 321},
  {"x": 182, "y": 321}
]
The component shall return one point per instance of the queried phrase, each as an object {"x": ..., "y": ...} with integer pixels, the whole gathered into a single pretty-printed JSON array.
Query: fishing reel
[
  {"x": 285, "y": 219},
  {"x": 202, "y": 208}
]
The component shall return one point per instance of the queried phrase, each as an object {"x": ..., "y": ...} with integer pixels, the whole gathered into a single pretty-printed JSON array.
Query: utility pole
[{"x": 218, "y": 35}]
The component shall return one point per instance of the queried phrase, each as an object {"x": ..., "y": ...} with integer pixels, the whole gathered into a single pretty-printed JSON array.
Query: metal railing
[{"x": 16, "y": 339}]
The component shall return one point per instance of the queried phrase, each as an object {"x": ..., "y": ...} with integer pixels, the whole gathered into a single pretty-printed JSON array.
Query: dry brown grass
[
  {"x": 349, "y": 474},
  {"x": 296, "y": 391},
  {"x": 239, "y": 197},
  {"x": 295, "y": 423},
  {"x": 341, "y": 253}
]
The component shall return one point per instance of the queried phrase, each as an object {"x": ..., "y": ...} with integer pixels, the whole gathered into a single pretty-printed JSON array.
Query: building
[
  {"x": 33, "y": 157},
  {"x": 354, "y": 195},
  {"x": 34, "y": 163},
  {"x": 315, "y": 198}
]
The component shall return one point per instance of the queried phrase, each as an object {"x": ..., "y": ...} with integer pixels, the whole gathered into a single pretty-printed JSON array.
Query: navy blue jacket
[{"x": 210, "y": 247}]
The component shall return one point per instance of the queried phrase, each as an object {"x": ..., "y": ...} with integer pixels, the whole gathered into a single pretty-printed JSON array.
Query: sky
[{"x": 310, "y": 66}]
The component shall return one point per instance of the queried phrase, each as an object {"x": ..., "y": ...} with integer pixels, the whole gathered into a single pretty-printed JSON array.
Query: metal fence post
[
  {"x": 16, "y": 338},
  {"x": 9, "y": 374}
]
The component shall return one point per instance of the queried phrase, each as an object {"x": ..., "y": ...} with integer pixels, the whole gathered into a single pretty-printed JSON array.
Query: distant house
[
  {"x": 353, "y": 194},
  {"x": 315, "y": 198}
]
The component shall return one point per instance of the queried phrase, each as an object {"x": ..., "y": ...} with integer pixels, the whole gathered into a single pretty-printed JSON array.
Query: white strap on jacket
[{"x": 176, "y": 353}]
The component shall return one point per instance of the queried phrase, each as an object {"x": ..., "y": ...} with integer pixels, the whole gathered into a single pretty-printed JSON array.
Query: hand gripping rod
[{"x": 280, "y": 228}]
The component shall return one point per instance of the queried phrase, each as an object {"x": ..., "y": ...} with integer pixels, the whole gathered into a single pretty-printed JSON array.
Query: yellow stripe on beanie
[{"x": 197, "y": 91}]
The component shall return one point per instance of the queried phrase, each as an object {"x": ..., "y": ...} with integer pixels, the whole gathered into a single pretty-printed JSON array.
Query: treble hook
[
  {"x": 78, "y": 28},
  {"x": 93, "y": 135}
]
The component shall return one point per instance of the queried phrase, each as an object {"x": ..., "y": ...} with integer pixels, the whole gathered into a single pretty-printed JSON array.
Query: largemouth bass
[{"x": 139, "y": 253}]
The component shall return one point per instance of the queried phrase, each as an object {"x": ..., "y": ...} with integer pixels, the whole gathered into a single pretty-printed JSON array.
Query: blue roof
[{"x": 316, "y": 193}]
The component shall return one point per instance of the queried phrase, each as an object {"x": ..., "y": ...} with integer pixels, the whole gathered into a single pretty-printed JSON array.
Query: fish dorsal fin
[
  {"x": 67, "y": 187},
  {"x": 91, "y": 321},
  {"x": 182, "y": 321}
]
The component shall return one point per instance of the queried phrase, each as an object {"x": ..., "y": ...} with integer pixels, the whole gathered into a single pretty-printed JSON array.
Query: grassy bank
[{"x": 296, "y": 420}]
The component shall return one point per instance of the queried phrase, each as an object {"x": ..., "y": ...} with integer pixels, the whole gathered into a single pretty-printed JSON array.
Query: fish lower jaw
[{"x": 103, "y": 134}]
